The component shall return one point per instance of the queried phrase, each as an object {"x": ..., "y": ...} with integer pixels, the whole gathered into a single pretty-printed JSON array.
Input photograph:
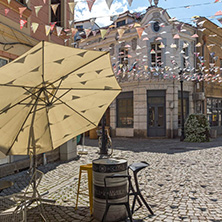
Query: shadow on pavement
[
  {"x": 59, "y": 213},
  {"x": 169, "y": 146}
]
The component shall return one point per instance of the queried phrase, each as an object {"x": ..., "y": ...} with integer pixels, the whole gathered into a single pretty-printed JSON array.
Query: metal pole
[
  {"x": 182, "y": 114},
  {"x": 103, "y": 150}
]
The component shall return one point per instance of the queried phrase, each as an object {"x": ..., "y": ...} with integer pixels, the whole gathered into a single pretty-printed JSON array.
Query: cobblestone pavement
[{"x": 182, "y": 183}]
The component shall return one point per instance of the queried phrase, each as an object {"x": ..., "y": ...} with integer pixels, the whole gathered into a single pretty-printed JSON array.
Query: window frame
[
  {"x": 129, "y": 114},
  {"x": 59, "y": 17},
  {"x": 155, "y": 56}
]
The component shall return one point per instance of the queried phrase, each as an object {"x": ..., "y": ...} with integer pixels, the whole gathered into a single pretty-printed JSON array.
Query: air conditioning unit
[{"x": 199, "y": 96}]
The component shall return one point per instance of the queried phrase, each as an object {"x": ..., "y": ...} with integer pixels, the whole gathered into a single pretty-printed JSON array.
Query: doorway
[{"x": 156, "y": 113}]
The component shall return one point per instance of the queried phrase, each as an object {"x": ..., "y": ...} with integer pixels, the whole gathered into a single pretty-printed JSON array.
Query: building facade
[
  {"x": 147, "y": 52},
  {"x": 210, "y": 65}
]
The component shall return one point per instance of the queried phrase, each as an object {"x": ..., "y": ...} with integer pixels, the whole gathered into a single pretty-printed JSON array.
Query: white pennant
[
  {"x": 37, "y": 8},
  {"x": 9, "y": 1},
  {"x": 54, "y": 8},
  {"x": 109, "y": 3},
  {"x": 59, "y": 30},
  {"x": 71, "y": 22},
  {"x": 130, "y": 2},
  {"x": 47, "y": 29},
  {"x": 34, "y": 26},
  {"x": 72, "y": 6}
]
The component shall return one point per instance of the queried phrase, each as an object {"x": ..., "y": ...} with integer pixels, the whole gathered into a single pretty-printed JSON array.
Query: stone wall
[{"x": 14, "y": 167}]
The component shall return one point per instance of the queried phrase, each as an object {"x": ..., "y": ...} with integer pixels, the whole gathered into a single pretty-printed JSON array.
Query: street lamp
[
  {"x": 182, "y": 137},
  {"x": 103, "y": 149}
]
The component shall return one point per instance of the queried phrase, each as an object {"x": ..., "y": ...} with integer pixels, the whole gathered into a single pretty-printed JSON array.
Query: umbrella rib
[
  {"x": 15, "y": 104},
  {"x": 68, "y": 90},
  {"x": 56, "y": 90},
  {"x": 88, "y": 89},
  {"x": 19, "y": 86},
  {"x": 74, "y": 110},
  {"x": 33, "y": 94},
  {"x": 20, "y": 129},
  {"x": 50, "y": 134}
]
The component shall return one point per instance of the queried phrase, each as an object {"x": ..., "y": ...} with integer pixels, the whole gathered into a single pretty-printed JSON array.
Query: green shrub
[{"x": 197, "y": 128}]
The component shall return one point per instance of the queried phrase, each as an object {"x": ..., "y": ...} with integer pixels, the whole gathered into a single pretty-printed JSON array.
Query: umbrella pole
[{"x": 34, "y": 158}]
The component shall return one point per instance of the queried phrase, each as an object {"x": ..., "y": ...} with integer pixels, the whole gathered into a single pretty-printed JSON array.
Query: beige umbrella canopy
[{"x": 51, "y": 94}]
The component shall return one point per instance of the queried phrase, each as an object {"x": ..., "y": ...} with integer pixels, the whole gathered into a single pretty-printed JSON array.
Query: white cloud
[
  {"x": 139, "y": 9},
  {"x": 100, "y": 11}
]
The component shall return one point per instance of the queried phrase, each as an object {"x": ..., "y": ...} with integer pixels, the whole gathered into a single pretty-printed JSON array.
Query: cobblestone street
[{"x": 182, "y": 183}]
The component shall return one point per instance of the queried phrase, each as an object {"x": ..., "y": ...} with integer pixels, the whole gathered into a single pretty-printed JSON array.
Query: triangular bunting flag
[
  {"x": 71, "y": 22},
  {"x": 87, "y": 32},
  {"x": 27, "y": 1},
  {"x": 9, "y": 1},
  {"x": 37, "y": 8},
  {"x": 140, "y": 31},
  {"x": 54, "y": 7},
  {"x": 103, "y": 32},
  {"x": 52, "y": 25},
  {"x": 137, "y": 25},
  {"x": 150, "y": 2},
  {"x": 59, "y": 30},
  {"x": 22, "y": 23},
  {"x": 21, "y": 10},
  {"x": 72, "y": 6},
  {"x": 34, "y": 26},
  {"x": 120, "y": 32},
  {"x": 74, "y": 31},
  {"x": 6, "y": 11},
  {"x": 130, "y": 2},
  {"x": 44, "y": 1},
  {"x": 218, "y": 13},
  {"x": 94, "y": 32},
  {"x": 109, "y": 3},
  {"x": 47, "y": 29},
  {"x": 195, "y": 36},
  {"x": 176, "y": 36},
  {"x": 90, "y": 4},
  {"x": 92, "y": 21}
]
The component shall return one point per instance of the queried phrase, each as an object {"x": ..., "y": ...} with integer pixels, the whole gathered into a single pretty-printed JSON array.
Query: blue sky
[{"x": 101, "y": 12}]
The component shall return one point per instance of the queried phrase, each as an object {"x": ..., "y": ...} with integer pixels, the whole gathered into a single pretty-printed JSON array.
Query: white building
[{"x": 147, "y": 69}]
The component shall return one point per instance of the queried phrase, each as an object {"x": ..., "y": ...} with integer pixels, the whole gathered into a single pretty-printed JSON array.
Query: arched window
[
  {"x": 134, "y": 44},
  {"x": 111, "y": 49}
]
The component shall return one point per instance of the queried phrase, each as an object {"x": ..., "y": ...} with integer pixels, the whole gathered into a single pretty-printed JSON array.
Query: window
[
  {"x": 3, "y": 62},
  {"x": 22, "y": 1},
  {"x": 185, "y": 54},
  {"x": 59, "y": 16},
  {"x": 121, "y": 23},
  {"x": 123, "y": 55},
  {"x": 185, "y": 106},
  {"x": 79, "y": 27},
  {"x": 156, "y": 27},
  {"x": 156, "y": 55},
  {"x": 111, "y": 49},
  {"x": 214, "y": 111},
  {"x": 134, "y": 44},
  {"x": 125, "y": 110}
]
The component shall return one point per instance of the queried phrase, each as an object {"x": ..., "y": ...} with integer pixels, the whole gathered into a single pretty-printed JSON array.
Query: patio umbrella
[{"x": 51, "y": 94}]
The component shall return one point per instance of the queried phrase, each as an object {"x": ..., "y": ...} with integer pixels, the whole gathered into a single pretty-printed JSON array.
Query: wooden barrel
[{"x": 117, "y": 188}]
